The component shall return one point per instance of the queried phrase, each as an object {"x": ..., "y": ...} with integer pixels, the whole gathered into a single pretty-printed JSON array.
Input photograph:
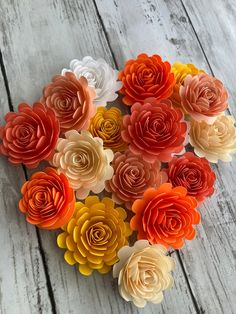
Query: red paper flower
[
  {"x": 193, "y": 173},
  {"x": 29, "y": 135},
  {"x": 154, "y": 130},
  {"x": 165, "y": 216},
  {"x": 146, "y": 77}
]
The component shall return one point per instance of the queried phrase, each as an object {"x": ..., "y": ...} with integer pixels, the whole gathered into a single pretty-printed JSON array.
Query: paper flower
[
  {"x": 107, "y": 124},
  {"x": 48, "y": 201},
  {"x": 203, "y": 97},
  {"x": 180, "y": 71},
  {"x": 99, "y": 75},
  {"x": 94, "y": 235},
  {"x": 72, "y": 101},
  {"x": 84, "y": 162},
  {"x": 143, "y": 272},
  {"x": 193, "y": 173},
  {"x": 146, "y": 77},
  {"x": 216, "y": 141},
  {"x": 165, "y": 216},
  {"x": 132, "y": 176},
  {"x": 29, "y": 135},
  {"x": 154, "y": 130}
]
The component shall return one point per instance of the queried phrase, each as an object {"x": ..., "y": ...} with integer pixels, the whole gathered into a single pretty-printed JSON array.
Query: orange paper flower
[
  {"x": 48, "y": 201},
  {"x": 146, "y": 77},
  {"x": 166, "y": 216},
  {"x": 94, "y": 235}
]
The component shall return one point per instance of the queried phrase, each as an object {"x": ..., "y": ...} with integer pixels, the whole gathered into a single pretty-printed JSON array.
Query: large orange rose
[{"x": 146, "y": 77}]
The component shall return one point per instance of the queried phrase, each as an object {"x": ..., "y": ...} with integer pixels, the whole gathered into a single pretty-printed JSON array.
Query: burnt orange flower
[
  {"x": 48, "y": 201},
  {"x": 146, "y": 77},
  {"x": 166, "y": 216}
]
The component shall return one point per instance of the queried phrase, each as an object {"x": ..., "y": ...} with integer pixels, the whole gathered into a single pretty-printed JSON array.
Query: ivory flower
[
  {"x": 94, "y": 235},
  {"x": 216, "y": 141},
  {"x": 143, "y": 272},
  {"x": 84, "y": 161},
  {"x": 99, "y": 75}
]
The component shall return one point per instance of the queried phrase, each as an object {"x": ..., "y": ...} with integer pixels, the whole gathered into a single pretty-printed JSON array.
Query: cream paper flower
[
  {"x": 99, "y": 75},
  {"x": 82, "y": 158},
  {"x": 143, "y": 272},
  {"x": 216, "y": 141}
]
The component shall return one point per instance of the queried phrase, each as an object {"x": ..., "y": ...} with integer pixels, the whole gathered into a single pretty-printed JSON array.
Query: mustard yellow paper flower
[
  {"x": 107, "y": 124},
  {"x": 94, "y": 235},
  {"x": 180, "y": 71}
]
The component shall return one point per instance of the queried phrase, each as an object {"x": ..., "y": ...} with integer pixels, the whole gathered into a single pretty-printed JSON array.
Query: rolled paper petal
[
  {"x": 48, "y": 201},
  {"x": 143, "y": 272},
  {"x": 165, "y": 216},
  {"x": 94, "y": 235},
  {"x": 146, "y": 76}
]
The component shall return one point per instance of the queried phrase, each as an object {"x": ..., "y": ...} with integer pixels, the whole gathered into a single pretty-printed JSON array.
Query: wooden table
[{"x": 38, "y": 38}]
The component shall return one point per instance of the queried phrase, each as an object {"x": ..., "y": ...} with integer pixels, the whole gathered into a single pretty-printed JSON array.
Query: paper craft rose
[
  {"x": 180, "y": 71},
  {"x": 84, "y": 161},
  {"x": 165, "y": 216},
  {"x": 146, "y": 77},
  {"x": 154, "y": 130},
  {"x": 29, "y": 135},
  {"x": 71, "y": 100},
  {"x": 203, "y": 97},
  {"x": 94, "y": 235},
  {"x": 216, "y": 141},
  {"x": 107, "y": 124},
  {"x": 99, "y": 75},
  {"x": 48, "y": 201},
  {"x": 132, "y": 176},
  {"x": 143, "y": 272},
  {"x": 193, "y": 173}
]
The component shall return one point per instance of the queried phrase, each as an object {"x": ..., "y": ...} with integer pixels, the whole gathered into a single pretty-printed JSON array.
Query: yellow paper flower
[
  {"x": 94, "y": 235},
  {"x": 107, "y": 124},
  {"x": 180, "y": 71}
]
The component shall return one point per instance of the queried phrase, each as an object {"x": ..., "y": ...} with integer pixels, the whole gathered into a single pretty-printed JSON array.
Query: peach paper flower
[
  {"x": 143, "y": 272},
  {"x": 94, "y": 235}
]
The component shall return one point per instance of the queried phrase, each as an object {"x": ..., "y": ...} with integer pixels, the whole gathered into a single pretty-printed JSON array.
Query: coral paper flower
[
  {"x": 72, "y": 101},
  {"x": 29, "y": 135},
  {"x": 146, "y": 77},
  {"x": 203, "y": 97},
  {"x": 84, "y": 161},
  {"x": 94, "y": 235},
  {"x": 193, "y": 173},
  {"x": 132, "y": 176},
  {"x": 216, "y": 141},
  {"x": 48, "y": 201},
  {"x": 166, "y": 216},
  {"x": 154, "y": 130},
  {"x": 143, "y": 272},
  {"x": 107, "y": 124}
]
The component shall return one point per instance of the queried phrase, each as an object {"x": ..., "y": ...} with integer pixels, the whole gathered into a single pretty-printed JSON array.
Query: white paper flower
[
  {"x": 99, "y": 75},
  {"x": 84, "y": 161}
]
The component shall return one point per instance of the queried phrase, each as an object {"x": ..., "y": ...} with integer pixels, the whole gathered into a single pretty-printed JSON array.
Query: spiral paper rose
[
  {"x": 84, "y": 161},
  {"x": 132, "y": 176},
  {"x": 146, "y": 77},
  {"x": 48, "y": 201},
  {"x": 72, "y": 101},
  {"x": 193, "y": 173},
  {"x": 216, "y": 141},
  {"x": 107, "y": 124},
  {"x": 154, "y": 130},
  {"x": 180, "y": 72},
  {"x": 29, "y": 135},
  {"x": 94, "y": 235},
  {"x": 165, "y": 216},
  {"x": 203, "y": 97},
  {"x": 99, "y": 75},
  {"x": 143, "y": 272}
]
